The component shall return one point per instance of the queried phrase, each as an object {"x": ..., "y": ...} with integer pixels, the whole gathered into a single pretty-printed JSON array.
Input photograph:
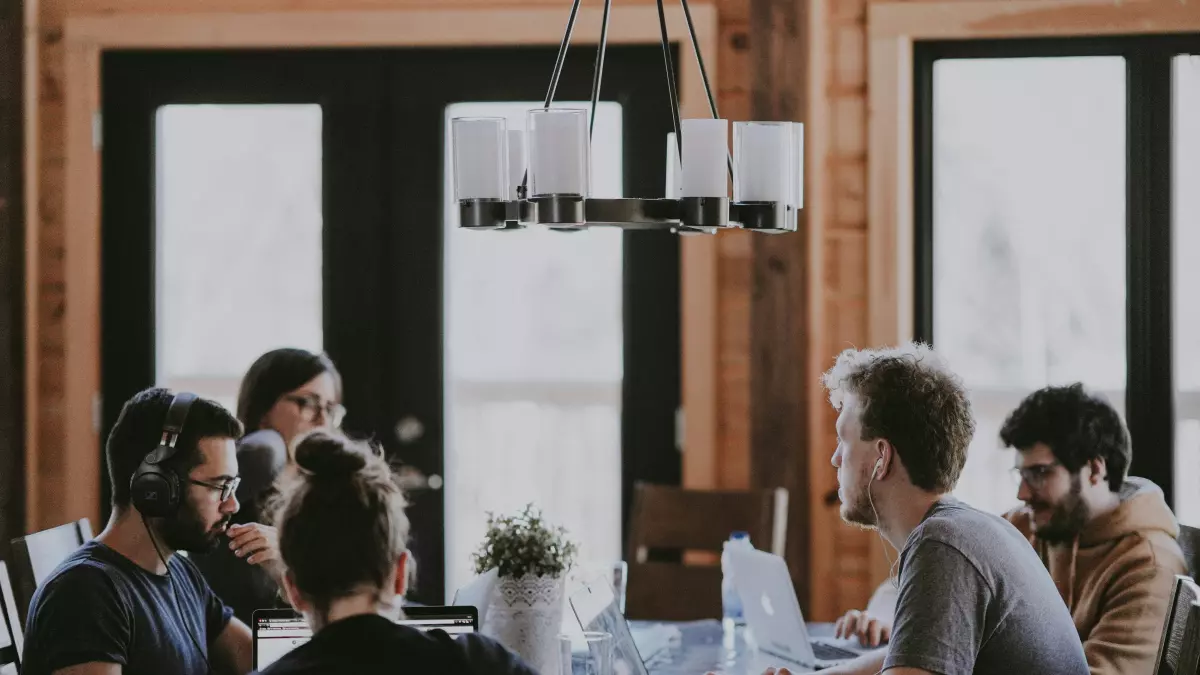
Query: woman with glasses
[{"x": 285, "y": 394}]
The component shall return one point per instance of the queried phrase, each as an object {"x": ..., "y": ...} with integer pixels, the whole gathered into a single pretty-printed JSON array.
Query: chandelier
[{"x": 508, "y": 179}]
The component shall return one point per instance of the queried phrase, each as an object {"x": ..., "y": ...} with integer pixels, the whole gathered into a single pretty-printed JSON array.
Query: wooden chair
[
  {"x": 1189, "y": 651},
  {"x": 674, "y": 519},
  {"x": 1175, "y": 628},
  {"x": 36, "y": 555},
  {"x": 1189, "y": 542},
  {"x": 12, "y": 639}
]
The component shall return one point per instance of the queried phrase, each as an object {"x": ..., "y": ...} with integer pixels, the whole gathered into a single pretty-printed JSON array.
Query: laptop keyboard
[{"x": 825, "y": 652}]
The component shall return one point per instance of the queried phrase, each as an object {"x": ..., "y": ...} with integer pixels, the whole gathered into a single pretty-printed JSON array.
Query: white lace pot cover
[{"x": 526, "y": 616}]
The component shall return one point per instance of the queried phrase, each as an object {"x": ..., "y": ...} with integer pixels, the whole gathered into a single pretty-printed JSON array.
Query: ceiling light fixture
[{"x": 506, "y": 179}]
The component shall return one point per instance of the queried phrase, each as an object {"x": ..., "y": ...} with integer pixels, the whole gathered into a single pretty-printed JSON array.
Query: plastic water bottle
[{"x": 731, "y": 603}]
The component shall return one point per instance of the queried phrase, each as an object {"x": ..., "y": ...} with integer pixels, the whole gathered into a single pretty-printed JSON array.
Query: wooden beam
[
  {"x": 983, "y": 19},
  {"x": 12, "y": 286},
  {"x": 781, "y": 377}
]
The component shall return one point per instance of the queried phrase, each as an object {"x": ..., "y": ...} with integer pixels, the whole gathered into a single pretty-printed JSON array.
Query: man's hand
[
  {"x": 258, "y": 544},
  {"x": 871, "y": 631}
]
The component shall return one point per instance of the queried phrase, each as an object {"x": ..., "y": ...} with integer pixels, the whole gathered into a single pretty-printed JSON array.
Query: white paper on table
[{"x": 478, "y": 593}]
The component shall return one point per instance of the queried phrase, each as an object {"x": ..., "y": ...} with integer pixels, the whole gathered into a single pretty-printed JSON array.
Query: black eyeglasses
[
  {"x": 1036, "y": 475},
  {"x": 226, "y": 489},
  {"x": 310, "y": 405}
]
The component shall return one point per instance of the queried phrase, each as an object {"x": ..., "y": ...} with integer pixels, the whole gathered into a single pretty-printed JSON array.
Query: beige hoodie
[{"x": 1117, "y": 577}]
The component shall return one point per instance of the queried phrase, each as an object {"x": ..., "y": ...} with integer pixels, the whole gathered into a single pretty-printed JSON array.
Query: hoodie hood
[
  {"x": 1142, "y": 518},
  {"x": 1143, "y": 510}
]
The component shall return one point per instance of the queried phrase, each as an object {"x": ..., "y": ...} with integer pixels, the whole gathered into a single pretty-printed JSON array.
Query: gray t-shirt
[{"x": 975, "y": 599}]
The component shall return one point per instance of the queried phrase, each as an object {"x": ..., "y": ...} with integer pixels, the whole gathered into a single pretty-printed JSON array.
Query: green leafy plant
[{"x": 524, "y": 544}]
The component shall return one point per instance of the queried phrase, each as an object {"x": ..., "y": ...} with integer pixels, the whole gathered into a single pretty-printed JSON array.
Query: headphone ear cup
[{"x": 155, "y": 491}]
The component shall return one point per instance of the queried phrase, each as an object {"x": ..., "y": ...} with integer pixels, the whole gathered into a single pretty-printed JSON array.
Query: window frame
[{"x": 1150, "y": 391}]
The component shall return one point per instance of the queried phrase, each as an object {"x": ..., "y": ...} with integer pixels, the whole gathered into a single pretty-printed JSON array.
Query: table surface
[{"x": 703, "y": 648}]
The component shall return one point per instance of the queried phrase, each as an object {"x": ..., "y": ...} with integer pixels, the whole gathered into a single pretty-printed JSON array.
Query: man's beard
[
  {"x": 186, "y": 532},
  {"x": 858, "y": 511},
  {"x": 1067, "y": 519}
]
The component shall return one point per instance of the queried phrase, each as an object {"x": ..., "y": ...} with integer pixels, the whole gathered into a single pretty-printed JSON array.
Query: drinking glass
[{"x": 590, "y": 654}]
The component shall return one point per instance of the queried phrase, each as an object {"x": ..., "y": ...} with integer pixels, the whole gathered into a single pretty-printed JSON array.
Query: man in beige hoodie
[{"x": 1108, "y": 541}]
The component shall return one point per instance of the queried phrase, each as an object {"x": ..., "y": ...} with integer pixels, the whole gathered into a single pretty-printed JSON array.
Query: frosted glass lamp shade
[
  {"x": 480, "y": 157},
  {"x": 517, "y": 164},
  {"x": 559, "y": 152},
  {"x": 797, "y": 165},
  {"x": 705, "y": 150},
  {"x": 764, "y": 157}
]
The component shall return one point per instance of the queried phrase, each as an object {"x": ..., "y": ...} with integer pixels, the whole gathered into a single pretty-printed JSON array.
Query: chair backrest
[
  {"x": 1170, "y": 646},
  {"x": 12, "y": 638},
  {"x": 1189, "y": 650},
  {"x": 36, "y": 555},
  {"x": 1189, "y": 542},
  {"x": 675, "y": 519}
]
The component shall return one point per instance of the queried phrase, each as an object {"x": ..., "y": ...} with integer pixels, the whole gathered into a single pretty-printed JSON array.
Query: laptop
[
  {"x": 597, "y": 610},
  {"x": 773, "y": 612},
  {"x": 278, "y": 631}
]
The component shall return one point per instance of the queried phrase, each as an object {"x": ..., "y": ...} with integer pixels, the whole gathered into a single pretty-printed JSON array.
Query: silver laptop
[{"x": 773, "y": 613}]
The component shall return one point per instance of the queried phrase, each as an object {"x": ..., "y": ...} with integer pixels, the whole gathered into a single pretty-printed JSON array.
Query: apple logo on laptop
[{"x": 767, "y": 606}]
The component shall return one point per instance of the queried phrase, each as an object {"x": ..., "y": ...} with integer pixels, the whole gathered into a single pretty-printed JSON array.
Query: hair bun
[{"x": 327, "y": 456}]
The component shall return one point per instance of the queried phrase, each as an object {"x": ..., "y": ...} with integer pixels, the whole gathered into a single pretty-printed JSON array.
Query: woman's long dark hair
[
  {"x": 341, "y": 520},
  {"x": 276, "y": 373}
]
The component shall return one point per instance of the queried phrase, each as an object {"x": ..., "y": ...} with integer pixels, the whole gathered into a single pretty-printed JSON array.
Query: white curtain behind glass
[
  {"x": 238, "y": 240},
  {"x": 1185, "y": 196},
  {"x": 1029, "y": 239}
]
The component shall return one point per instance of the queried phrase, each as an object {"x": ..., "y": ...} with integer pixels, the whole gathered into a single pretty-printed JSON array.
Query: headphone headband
[
  {"x": 156, "y": 490},
  {"x": 172, "y": 427}
]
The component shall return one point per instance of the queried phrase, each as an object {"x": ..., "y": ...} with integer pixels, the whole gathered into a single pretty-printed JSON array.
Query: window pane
[
  {"x": 534, "y": 363},
  {"x": 1186, "y": 313},
  {"x": 238, "y": 240},
  {"x": 1028, "y": 238}
]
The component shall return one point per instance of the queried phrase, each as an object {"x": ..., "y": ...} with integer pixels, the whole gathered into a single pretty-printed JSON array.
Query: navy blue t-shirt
[
  {"x": 369, "y": 644},
  {"x": 99, "y": 606}
]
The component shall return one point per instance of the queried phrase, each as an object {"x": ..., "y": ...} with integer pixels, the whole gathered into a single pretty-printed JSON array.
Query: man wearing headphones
[{"x": 124, "y": 604}]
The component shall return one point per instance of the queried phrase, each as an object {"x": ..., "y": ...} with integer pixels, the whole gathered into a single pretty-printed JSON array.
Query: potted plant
[{"x": 532, "y": 559}]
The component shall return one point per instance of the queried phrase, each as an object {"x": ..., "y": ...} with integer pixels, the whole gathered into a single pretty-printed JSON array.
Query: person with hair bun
[{"x": 343, "y": 540}]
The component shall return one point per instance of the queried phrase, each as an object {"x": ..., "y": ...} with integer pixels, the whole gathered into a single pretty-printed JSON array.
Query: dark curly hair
[
  {"x": 912, "y": 399},
  {"x": 1077, "y": 426}
]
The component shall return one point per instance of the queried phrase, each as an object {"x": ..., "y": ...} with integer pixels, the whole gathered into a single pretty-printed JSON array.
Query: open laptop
[
  {"x": 279, "y": 631},
  {"x": 773, "y": 613},
  {"x": 597, "y": 610}
]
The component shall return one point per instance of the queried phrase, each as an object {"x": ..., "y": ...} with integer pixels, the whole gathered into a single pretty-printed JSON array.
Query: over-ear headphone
[{"x": 156, "y": 488}]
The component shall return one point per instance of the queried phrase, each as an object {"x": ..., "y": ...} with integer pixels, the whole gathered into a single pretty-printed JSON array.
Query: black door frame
[
  {"x": 651, "y": 387},
  {"x": 1149, "y": 392}
]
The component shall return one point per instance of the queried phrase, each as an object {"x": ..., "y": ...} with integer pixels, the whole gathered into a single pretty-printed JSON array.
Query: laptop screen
[{"x": 277, "y": 632}]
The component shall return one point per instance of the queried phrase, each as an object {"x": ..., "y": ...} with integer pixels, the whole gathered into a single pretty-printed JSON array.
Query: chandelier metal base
[{"x": 688, "y": 215}]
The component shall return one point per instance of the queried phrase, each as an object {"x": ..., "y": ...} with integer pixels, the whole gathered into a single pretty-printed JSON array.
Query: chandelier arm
[
  {"x": 666, "y": 45},
  {"x": 599, "y": 70},
  {"x": 712, "y": 100}
]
